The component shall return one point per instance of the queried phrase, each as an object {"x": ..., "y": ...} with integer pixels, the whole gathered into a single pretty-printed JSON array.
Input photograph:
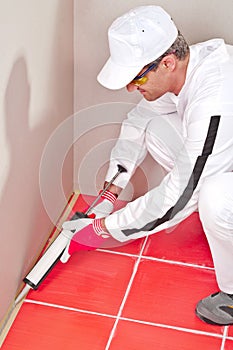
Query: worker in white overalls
[{"x": 185, "y": 121}]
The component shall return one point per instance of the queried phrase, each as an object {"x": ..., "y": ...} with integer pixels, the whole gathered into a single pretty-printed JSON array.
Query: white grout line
[
  {"x": 224, "y": 337},
  {"x": 118, "y": 317},
  {"x": 186, "y": 330},
  {"x": 158, "y": 259},
  {"x": 67, "y": 308},
  {"x": 179, "y": 263},
  {"x": 135, "y": 269}
]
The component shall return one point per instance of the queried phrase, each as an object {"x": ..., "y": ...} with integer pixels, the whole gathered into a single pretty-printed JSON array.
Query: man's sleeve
[
  {"x": 130, "y": 150},
  {"x": 162, "y": 207}
]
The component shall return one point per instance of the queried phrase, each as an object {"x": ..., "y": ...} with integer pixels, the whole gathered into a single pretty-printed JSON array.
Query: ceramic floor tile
[
  {"x": 82, "y": 203},
  {"x": 40, "y": 327},
  {"x": 161, "y": 293},
  {"x": 228, "y": 345},
  {"x": 129, "y": 248},
  {"x": 185, "y": 242},
  {"x": 167, "y": 294},
  {"x": 134, "y": 336},
  {"x": 230, "y": 332},
  {"x": 93, "y": 281}
]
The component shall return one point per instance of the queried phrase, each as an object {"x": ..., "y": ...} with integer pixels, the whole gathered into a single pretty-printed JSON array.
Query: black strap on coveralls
[{"x": 192, "y": 183}]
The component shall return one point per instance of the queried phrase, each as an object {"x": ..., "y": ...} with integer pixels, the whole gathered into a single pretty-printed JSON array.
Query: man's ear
[{"x": 169, "y": 62}]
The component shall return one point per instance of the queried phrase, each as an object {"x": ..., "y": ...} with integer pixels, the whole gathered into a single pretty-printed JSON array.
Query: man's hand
[
  {"x": 106, "y": 205},
  {"x": 76, "y": 225},
  {"x": 88, "y": 235}
]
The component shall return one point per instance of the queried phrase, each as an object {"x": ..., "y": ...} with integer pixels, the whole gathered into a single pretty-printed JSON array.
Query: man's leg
[{"x": 216, "y": 214}]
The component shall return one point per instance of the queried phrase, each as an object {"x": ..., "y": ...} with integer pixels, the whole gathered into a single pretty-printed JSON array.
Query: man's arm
[{"x": 141, "y": 217}]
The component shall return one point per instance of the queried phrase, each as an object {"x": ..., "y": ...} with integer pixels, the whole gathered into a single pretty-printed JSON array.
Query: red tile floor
[{"x": 138, "y": 296}]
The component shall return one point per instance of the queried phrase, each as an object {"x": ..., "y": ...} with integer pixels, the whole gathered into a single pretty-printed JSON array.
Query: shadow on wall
[
  {"x": 20, "y": 207},
  {"x": 29, "y": 122},
  {"x": 96, "y": 131}
]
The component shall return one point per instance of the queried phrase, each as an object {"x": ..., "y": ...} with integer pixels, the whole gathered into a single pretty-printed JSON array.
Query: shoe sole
[{"x": 206, "y": 320}]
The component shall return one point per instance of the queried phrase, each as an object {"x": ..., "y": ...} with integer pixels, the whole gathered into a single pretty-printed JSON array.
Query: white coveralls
[{"x": 174, "y": 130}]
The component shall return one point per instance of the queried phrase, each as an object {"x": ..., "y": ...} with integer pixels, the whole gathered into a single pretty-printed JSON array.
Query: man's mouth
[{"x": 142, "y": 91}]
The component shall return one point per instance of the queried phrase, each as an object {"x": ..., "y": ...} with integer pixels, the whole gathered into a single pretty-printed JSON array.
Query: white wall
[
  {"x": 96, "y": 106},
  {"x": 36, "y": 95}
]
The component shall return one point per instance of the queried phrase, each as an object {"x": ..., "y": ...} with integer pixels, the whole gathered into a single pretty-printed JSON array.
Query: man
[{"x": 185, "y": 121}]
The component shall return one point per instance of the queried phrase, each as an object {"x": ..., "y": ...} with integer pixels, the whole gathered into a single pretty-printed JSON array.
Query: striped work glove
[
  {"x": 105, "y": 205},
  {"x": 90, "y": 237}
]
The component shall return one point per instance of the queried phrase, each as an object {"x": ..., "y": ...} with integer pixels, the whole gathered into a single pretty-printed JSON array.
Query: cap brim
[{"x": 114, "y": 77}]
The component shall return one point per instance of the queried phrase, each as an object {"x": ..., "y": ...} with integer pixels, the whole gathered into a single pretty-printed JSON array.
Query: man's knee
[
  {"x": 209, "y": 201},
  {"x": 164, "y": 129},
  {"x": 216, "y": 203},
  {"x": 163, "y": 139}
]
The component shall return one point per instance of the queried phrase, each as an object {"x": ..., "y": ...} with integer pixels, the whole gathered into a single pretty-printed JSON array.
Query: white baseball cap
[{"x": 135, "y": 39}]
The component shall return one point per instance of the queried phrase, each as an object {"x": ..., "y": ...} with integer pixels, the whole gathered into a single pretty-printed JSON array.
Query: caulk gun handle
[{"x": 121, "y": 169}]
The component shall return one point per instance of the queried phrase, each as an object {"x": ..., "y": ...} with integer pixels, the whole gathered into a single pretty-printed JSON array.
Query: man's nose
[{"x": 131, "y": 87}]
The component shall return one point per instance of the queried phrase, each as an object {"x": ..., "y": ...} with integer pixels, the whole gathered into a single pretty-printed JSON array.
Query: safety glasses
[{"x": 142, "y": 79}]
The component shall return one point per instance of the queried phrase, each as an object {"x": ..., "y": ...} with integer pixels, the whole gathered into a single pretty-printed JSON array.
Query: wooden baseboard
[
  {"x": 8, "y": 321},
  {"x": 13, "y": 310}
]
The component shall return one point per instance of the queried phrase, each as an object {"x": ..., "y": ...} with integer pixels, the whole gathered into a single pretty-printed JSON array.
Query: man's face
[{"x": 158, "y": 83}]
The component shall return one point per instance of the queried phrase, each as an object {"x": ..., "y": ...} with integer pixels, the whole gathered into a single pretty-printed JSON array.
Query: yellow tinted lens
[{"x": 140, "y": 81}]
